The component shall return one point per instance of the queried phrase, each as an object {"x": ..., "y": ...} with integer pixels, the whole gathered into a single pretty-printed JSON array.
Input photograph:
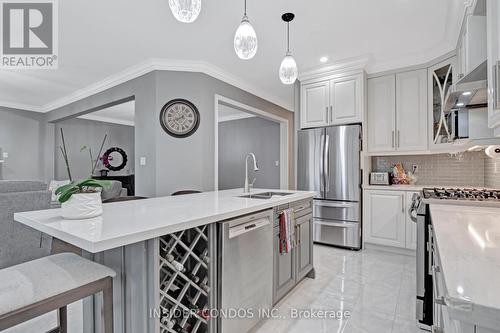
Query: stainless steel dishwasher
[{"x": 246, "y": 270}]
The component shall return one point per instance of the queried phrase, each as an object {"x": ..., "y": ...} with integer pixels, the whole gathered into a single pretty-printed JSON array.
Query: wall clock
[
  {"x": 114, "y": 159},
  {"x": 179, "y": 118}
]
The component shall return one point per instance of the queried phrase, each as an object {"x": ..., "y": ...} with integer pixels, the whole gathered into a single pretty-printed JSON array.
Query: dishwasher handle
[{"x": 250, "y": 226}]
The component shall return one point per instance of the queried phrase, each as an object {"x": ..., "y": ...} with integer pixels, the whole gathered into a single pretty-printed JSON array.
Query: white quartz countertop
[
  {"x": 468, "y": 243},
  {"x": 395, "y": 187},
  {"x": 128, "y": 222}
]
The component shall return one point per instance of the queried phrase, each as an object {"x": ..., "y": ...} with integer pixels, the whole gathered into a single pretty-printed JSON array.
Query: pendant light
[
  {"x": 185, "y": 11},
  {"x": 245, "y": 38},
  {"x": 288, "y": 68}
]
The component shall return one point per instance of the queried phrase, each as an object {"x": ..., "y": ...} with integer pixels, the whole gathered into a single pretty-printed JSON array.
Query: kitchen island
[
  {"x": 138, "y": 239},
  {"x": 466, "y": 272}
]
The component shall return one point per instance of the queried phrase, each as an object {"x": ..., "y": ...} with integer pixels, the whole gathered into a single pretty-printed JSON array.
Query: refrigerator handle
[
  {"x": 327, "y": 164},
  {"x": 322, "y": 166}
]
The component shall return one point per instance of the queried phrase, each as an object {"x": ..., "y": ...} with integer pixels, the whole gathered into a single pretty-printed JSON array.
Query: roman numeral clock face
[{"x": 179, "y": 118}]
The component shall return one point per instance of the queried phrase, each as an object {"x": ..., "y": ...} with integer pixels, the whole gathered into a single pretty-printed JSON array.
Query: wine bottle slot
[
  {"x": 193, "y": 278},
  {"x": 204, "y": 257},
  {"x": 177, "y": 265}
]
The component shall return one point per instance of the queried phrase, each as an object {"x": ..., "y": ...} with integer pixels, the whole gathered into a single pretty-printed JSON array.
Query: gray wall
[
  {"x": 242, "y": 136},
  {"x": 83, "y": 132},
  {"x": 173, "y": 164},
  {"x": 142, "y": 90},
  {"x": 26, "y": 137}
]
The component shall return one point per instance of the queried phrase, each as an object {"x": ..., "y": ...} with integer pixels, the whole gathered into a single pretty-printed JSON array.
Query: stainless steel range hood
[{"x": 475, "y": 84}]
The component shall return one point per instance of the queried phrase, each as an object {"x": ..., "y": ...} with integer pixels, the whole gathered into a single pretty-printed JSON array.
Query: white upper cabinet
[
  {"x": 332, "y": 100},
  {"x": 315, "y": 98},
  {"x": 440, "y": 85},
  {"x": 345, "y": 100},
  {"x": 397, "y": 113},
  {"x": 411, "y": 110},
  {"x": 381, "y": 117},
  {"x": 493, "y": 46},
  {"x": 471, "y": 50}
]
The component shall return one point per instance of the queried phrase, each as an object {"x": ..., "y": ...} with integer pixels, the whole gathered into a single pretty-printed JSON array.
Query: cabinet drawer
[{"x": 301, "y": 208}]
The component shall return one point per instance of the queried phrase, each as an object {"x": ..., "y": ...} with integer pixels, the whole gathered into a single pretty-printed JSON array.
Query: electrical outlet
[
  {"x": 277, "y": 163},
  {"x": 5, "y": 155},
  {"x": 142, "y": 161},
  {"x": 414, "y": 168}
]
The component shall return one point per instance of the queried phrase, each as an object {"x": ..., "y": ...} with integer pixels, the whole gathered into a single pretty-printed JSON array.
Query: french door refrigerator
[{"x": 329, "y": 165}]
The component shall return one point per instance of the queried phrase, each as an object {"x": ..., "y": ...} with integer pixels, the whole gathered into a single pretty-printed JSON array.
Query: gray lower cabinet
[
  {"x": 304, "y": 250},
  {"x": 290, "y": 268},
  {"x": 284, "y": 270}
]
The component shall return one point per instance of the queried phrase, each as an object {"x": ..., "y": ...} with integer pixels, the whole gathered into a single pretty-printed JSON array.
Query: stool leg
[
  {"x": 62, "y": 319},
  {"x": 108, "y": 306}
]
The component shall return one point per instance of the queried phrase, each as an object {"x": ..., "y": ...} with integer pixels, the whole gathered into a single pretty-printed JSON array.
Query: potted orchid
[{"x": 81, "y": 200}]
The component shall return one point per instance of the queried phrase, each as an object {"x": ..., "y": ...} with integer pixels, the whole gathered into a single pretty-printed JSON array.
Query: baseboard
[{"x": 391, "y": 249}]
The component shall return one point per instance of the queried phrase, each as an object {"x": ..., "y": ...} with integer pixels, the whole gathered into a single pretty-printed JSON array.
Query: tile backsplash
[
  {"x": 492, "y": 173},
  {"x": 467, "y": 169}
]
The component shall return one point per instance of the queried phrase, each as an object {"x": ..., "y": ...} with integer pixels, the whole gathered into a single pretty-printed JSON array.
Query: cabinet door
[
  {"x": 381, "y": 114},
  {"x": 345, "y": 99},
  {"x": 385, "y": 218},
  {"x": 284, "y": 270},
  {"x": 474, "y": 42},
  {"x": 315, "y": 104},
  {"x": 304, "y": 249},
  {"x": 411, "y": 110},
  {"x": 493, "y": 42},
  {"x": 440, "y": 81},
  {"x": 411, "y": 227}
]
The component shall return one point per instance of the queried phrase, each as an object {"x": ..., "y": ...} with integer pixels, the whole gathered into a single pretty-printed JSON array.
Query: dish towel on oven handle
[{"x": 287, "y": 231}]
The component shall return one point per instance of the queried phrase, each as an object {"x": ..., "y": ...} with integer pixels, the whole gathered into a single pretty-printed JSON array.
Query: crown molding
[
  {"x": 150, "y": 66},
  {"x": 20, "y": 106},
  {"x": 351, "y": 64},
  {"x": 110, "y": 120}
]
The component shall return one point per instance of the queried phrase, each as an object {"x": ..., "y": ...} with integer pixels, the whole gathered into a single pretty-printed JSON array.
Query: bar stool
[{"x": 31, "y": 289}]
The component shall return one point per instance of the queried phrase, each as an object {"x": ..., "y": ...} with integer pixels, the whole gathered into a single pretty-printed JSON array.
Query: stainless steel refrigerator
[{"x": 329, "y": 165}]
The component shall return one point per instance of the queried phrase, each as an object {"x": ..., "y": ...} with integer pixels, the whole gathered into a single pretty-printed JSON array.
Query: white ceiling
[
  {"x": 99, "y": 39},
  {"x": 123, "y": 114}
]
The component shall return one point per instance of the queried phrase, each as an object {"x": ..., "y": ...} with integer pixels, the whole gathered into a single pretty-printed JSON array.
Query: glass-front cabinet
[{"x": 443, "y": 113}]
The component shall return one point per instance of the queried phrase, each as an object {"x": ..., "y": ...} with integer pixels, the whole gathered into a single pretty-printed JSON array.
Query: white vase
[{"x": 82, "y": 206}]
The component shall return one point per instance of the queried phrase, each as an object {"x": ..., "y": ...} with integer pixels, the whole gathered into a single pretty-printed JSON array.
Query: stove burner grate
[{"x": 461, "y": 194}]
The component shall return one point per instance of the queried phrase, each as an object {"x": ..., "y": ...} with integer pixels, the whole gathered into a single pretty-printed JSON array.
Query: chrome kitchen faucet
[{"x": 255, "y": 168}]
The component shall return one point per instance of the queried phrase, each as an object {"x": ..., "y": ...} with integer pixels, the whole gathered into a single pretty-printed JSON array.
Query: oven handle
[
  {"x": 429, "y": 251},
  {"x": 415, "y": 203}
]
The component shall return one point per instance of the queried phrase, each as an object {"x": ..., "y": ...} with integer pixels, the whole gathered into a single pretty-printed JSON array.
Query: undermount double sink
[{"x": 264, "y": 195}]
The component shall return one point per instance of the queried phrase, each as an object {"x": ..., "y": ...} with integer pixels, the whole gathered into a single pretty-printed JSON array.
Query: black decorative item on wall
[
  {"x": 179, "y": 118},
  {"x": 107, "y": 158}
]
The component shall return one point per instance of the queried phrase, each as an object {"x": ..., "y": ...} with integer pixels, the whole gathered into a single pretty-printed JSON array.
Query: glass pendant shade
[
  {"x": 186, "y": 11},
  {"x": 245, "y": 40},
  {"x": 288, "y": 70}
]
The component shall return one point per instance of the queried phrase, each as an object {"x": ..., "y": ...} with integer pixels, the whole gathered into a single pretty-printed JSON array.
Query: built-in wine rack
[{"x": 185, "y": 281}]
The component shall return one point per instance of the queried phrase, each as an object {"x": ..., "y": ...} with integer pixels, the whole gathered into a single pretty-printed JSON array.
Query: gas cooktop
[{"x": 461, "y": 194}]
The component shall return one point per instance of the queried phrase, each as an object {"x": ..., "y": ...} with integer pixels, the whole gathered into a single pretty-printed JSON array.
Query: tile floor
[{"x": 377, "y": 288}]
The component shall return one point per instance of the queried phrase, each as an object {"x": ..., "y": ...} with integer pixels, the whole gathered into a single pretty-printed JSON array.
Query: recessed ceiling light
[
  {"x": 466, "y": 93},
  {"x": 323, "y": 59},
  {"x": 460, "y": 104}
]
